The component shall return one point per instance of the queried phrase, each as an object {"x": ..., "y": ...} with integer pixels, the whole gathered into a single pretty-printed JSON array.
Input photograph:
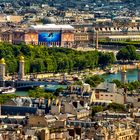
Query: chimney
[
  {"x": 71, "y": 132},
  {"x": 78, "y": 131}
]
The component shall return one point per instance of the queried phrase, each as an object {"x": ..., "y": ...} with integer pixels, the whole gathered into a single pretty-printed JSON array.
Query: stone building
[
  {"x": 112, "y": 132},
  {"x": 108, "y": 92}
]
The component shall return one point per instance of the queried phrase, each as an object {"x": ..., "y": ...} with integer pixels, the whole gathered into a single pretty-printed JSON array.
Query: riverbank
[
  {"x": 127, "y": 67},
  {"x": 79, "y": 74}
]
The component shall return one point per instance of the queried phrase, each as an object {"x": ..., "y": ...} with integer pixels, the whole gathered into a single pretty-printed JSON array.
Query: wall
[
  {"x": 67, "y": 39},
  {"x": 37, "y": 121},
  {"x": 31, "y": 38},
  {"x": 114, "y": 97},
  {"x": 18, "y": 37}
]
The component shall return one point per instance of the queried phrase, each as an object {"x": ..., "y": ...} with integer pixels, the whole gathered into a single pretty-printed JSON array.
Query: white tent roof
[{"x": 51, "y": 27}]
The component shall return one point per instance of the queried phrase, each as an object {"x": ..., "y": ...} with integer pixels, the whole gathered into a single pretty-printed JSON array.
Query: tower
[
  {"x": 139, "y": 72},
  {"x": 2, "y": 69},
  {"x": 21, "y": 68},
  {"x": 97, "y": 40},
  {"x": 123, "y": 74}
]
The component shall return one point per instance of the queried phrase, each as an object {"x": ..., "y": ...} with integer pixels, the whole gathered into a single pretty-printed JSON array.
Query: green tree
[
  {"x": 37, "y": 65},
  {"x": 59, "y": 90},
  {"x": 49, "y": 64},
  {"x": 94, "y": 80},
  {"x": 118, "y": 83},
  {"x": 127, "y": 53},
  {"x": 5, "y": 98},
  {"x": 40, "y": 93},
  {"x": 116, "y": 107},
  {"x": 96, "y": 109},
  {"x": 106, "y": 59},
  {"x": 42, "y": 59}
]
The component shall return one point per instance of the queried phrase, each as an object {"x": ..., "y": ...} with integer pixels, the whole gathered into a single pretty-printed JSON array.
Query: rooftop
[{"x": 52, "y": 27}]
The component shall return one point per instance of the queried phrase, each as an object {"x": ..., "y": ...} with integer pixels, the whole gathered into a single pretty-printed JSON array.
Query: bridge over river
[{"x": 32, "y": 84}]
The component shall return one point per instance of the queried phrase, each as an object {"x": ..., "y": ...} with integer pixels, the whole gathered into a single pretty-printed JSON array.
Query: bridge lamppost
[
  {"x": 2, "y": 71},
  {"x": 21, "y": 67}
]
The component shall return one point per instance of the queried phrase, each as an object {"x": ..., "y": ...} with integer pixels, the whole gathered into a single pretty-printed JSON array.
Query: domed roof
[
  {"x": 21, "y": 58},
  {"x": 2, "y": 61}
]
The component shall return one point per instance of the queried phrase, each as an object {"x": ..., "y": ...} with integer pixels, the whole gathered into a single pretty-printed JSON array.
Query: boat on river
[
  {"x": 7, "y": 90},
  {"x": 111, "y": 71}
]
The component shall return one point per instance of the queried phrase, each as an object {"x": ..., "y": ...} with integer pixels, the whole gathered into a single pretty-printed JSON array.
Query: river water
[
  {"x": 49, "y": 87},
  {"x": 131, "y": 75}
]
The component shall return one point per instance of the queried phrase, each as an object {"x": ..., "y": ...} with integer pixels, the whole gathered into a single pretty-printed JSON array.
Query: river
[
  {"x": 49, "y": 87},
  {"x": 131, "y": 75}
]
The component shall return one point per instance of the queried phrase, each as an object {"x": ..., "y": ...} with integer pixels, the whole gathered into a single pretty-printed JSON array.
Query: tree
[
  {"x": 40, "y": 93},
  {"x": 42, "y": 59},
  {"x": 94, "y": 80},
  {"x": 5, "y": 98},
  {"x": 106, "y": 59},
  {"x": 96, "y": 109},
  {"x": 127, "y": 53},
  {"x": 37, "y": 65},
  {"x": 49, "y": 64},
  {"x": 116, "y": 107},
  {"x": 59, "y": 90},
  {"x": 129, "y": 86},
  {"x": 118, "y": 83}
]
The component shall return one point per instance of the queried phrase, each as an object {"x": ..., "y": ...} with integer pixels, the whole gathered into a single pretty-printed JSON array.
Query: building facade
[{"x": 54, "y": 35}]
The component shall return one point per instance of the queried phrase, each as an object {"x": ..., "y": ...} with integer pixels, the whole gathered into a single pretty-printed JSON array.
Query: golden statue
[
  {"x": 139, "y": 65},
  {"x": 2, "y": 61},
  {"x": 21, "y": 58},
  {"x": 123, "y": 68}
]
